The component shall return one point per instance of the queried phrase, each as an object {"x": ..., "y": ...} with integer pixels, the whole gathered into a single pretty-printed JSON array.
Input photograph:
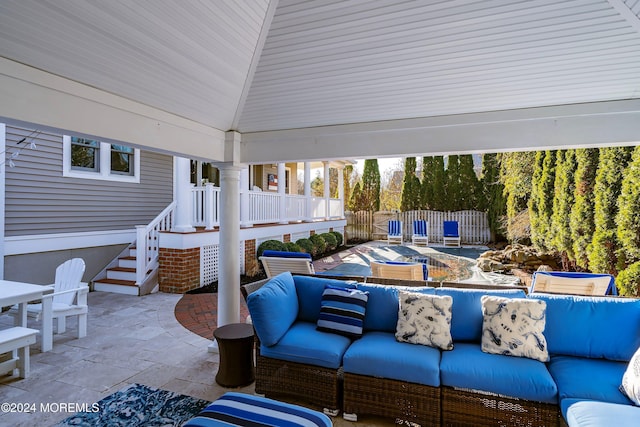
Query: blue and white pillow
[
  {"x": 342, "y": 311},
  {"x": 631, "y": 379},
  {"x": 514, "y": 327},
  {"x": 425, "y": 319}
]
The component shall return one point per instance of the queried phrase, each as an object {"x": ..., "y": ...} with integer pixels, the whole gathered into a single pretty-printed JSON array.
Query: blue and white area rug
[{"x": 139, "y": 405}]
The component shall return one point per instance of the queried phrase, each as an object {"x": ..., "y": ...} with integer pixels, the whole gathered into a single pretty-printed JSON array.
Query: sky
[{"x": 383, "y": 164}]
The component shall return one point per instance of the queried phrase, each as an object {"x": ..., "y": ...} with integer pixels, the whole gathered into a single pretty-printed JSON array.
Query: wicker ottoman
[{"x": 239, "y": 409}]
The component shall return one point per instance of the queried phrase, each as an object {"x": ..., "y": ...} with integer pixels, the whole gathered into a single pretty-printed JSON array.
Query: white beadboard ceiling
[{"x": 265, "y": 68}]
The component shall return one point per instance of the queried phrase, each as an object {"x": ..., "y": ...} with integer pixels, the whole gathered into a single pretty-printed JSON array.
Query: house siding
[{"x": 39, "y": 200}]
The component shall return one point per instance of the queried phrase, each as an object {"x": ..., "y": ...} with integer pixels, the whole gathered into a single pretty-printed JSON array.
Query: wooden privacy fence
[{"x": 363, "y": 225}]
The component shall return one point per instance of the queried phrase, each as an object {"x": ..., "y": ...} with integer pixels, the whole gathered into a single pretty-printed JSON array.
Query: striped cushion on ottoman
[{"x": 237, "y": 409}]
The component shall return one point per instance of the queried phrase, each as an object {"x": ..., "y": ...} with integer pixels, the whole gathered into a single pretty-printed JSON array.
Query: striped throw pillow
[{"x": 342, "y": 311}]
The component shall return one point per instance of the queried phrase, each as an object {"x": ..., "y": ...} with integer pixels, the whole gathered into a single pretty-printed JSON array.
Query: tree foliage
[
  {"x": 541, "y": 201},
  {"x": 426, "y": 185},
  {"x": 563, "y": 202},
  {"x": 581, "y": 220},
  {"x": 603, "y": 252},
  {"x": 516, "y": 170},
  {"x": 469, "y": 185},
  {"x": 628, "y": 217},
  {"x": 370, "y": 194},
  {"x": 438, "y": 185},
  {"x": 410, "y": 187},
  {"x": 493, "y": 194}
]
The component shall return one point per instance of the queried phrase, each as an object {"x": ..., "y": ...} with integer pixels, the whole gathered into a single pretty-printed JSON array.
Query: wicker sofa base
[
  {"x": 400, "y": 400},
  {"x": 466, "y": 408},
  {"x": 320, "y": 387}
]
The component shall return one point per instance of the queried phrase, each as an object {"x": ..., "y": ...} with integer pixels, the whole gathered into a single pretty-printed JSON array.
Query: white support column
[
  {"x": 341, "y": 190},
  {"x": 184, "y": 204},
  {"x": 307, "y": 191},
  {"x": 327, "y": 199},
  {"x": 282, "y": 182},
  {"x": 229, "y": 252},
  {"x": 3, "y": 149},
  {"x": 245, "y": 217}
]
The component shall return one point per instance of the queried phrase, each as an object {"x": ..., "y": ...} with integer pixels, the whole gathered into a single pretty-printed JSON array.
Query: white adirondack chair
[{"x": 69, "y": 297}]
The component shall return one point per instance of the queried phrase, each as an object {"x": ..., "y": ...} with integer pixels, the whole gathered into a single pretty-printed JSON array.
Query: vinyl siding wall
[{"x": 39, "y": 200}]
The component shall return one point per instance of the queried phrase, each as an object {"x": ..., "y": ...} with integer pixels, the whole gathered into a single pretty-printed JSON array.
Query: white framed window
[{"x": 91, "y": 159}]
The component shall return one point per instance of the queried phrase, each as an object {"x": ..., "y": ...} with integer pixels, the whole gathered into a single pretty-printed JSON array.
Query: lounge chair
[
  {"x": 399, "y": 270},
  {"x": 394, "y": 234},
  {"x": 420, "y": 232},
  {"x": 69, "y": 297},
  {"x": 562, "y": 282},
  {"x": 276, "y": 262},
  {"x": 451, "y": 233}
]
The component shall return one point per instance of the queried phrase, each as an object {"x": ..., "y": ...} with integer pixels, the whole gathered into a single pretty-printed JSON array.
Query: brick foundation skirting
[{"x": 179, "y": 270}]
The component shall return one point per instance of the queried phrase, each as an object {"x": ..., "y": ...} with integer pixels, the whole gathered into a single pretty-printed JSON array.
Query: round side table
[{"x": 235, "y": 346}]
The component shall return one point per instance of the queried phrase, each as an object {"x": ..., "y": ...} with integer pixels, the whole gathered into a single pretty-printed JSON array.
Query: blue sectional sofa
[{"x": 589, "y": 339}]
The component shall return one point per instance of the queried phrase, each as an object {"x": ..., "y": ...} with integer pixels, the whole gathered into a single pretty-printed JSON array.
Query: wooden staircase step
[
  {"x": 125, "y": 269},
  {"x": 117, "y": 282}
]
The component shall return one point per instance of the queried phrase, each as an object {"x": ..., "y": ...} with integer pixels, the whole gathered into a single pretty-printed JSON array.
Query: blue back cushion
[
  {"x": 309, "y": 290},
  {"x": 466, "y": 318},
  {"x": 273, "y": 308},
  {"x": 595, "y": 327},
  {"x": 342, "y": 311},
  {"x": 382, "y": 307}
]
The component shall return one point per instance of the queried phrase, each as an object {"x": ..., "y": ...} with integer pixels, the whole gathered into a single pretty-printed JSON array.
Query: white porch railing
[
  {"x": 263, "y": 207},
  {"x": 147, "y": 242}
]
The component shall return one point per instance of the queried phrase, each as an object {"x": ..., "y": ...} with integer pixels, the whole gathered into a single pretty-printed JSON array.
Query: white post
[
  {"x": 141, "y": 253},
  {"x": 209, "y": 205},
  {"x": 229, "y": 267},
  {"x": 307, "y": 191},
  {"x": 184, "y": 202},
  {"x": 3, "y": 200},
  {"x": 245, "y": 217},
  {"x": 282, "y": 182},
  {"x": 327, "y": 199},
  {"x": 341, "y": 190}
]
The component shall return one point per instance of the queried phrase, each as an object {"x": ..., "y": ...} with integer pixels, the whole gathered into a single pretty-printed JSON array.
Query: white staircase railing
[{"x": 147, "y": 242}]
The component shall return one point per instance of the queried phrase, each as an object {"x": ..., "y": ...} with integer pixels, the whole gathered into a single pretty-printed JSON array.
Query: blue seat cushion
[
  {"x": 467, "y": 366},
  {"x": 592, "y": 379},
  {"x": 378, "y": 354},
  {"x": 273, "y": 308},
  {"x": 304, "y": 344},
  {"x": 466, "y": 320},
  {"x": 285, "y": 254},
  {"x": 383, "y": 305},
  {"x": 244, "y": 409},
  {"x": 589, "y": 413},
  {"x": 591, "y": 330},
  {"x": 309, "y": 290}
]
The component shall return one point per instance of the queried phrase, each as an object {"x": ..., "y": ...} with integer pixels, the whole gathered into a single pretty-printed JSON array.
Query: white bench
[{"x": 17, "y": 341}]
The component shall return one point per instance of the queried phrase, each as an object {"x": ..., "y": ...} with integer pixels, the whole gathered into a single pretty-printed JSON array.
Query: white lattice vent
[{"x": 209, "y": 264}]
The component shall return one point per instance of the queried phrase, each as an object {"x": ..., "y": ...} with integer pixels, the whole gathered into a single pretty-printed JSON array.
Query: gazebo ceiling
[{"x": 325, "y": 79}]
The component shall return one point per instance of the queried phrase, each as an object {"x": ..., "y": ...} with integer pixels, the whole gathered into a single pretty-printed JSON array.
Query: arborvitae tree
[
  {"x": 563, "y": 202},
  {"x": 346, "y": 181},
  {"x": 317, "y": 186},
  {"x": 453, "y": 188},
  {"x": 469, "y": 184},
  {"x": 371, "y": 185},
  {"x": 582, "y": 216},
  {"x": 410, "y": 186},
  {"x": 426, "y": 187},
  {"x": 439, "y": 202},
  {"x": 603, "y": 252},
  {"x": 515, "y": 173},
  {"x": 355, "y": 203},
  {"x": 493, "y": 195},
  {"x": 536, "y": 201},
  {"x": 541, "y": 201},
  {"x": 628, "y": 218}
]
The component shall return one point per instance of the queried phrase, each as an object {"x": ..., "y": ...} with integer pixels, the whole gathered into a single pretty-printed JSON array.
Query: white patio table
[{"x": 21, "y": 293}]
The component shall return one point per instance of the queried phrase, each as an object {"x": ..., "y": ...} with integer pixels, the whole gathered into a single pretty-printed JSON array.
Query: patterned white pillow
[
  {"x": 425, "y": 319},
  {"x": 631, "y": 379},
  {"x": 514, "y": 327}
]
